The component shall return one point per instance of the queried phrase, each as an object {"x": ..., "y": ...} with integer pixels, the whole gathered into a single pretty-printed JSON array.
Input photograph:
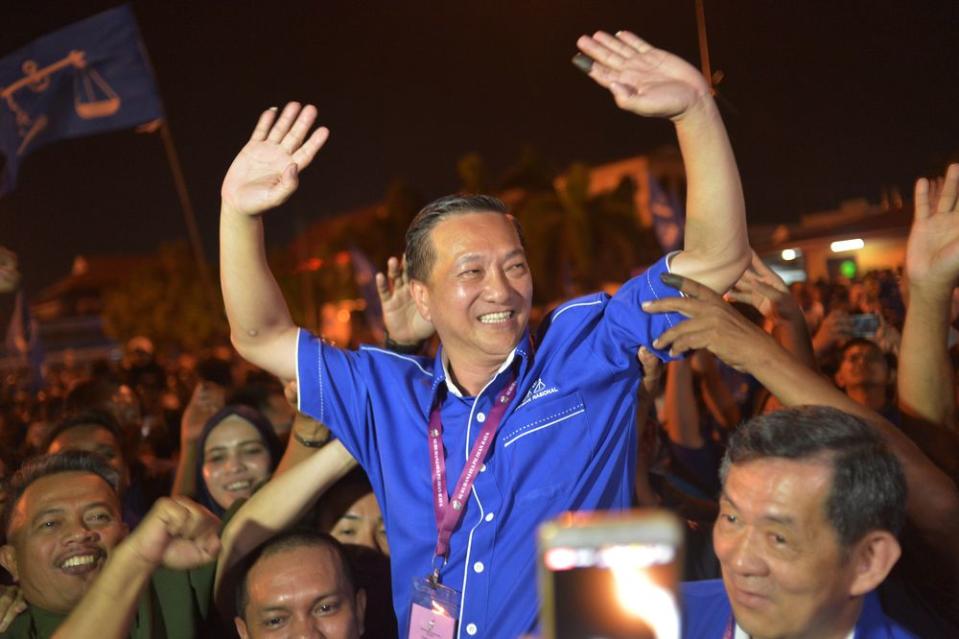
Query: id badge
[{"x": 434, "y": 610}]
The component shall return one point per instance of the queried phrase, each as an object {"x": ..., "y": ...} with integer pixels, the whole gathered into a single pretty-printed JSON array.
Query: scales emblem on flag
[{"x": 93, "y": 97}]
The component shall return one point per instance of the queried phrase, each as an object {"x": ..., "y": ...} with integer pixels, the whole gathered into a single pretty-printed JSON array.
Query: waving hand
[
  {"x": 265, "y": 172},
  {"x": 643, "y": 79},
  {"x": 932, "y": 253}
]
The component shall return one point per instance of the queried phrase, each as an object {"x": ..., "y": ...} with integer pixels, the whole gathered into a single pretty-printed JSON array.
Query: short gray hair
[{"x": 868, "y": 489}]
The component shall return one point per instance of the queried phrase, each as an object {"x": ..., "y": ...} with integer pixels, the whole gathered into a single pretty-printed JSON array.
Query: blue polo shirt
[
  {"x": 707, "y": 614},
  {"x": 567, "y": 442}
]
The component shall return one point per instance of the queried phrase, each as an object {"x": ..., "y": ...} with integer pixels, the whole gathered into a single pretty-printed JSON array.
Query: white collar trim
[{"x": 449, "y": 380}]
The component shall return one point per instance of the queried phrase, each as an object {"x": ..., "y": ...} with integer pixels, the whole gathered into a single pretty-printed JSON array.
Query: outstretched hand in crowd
[
  {"x": 932, "y": 253},
  {"x": 403, "y": 321},
  {"x": 765, "y": 291},
  {"x": 712, "y": 324}
]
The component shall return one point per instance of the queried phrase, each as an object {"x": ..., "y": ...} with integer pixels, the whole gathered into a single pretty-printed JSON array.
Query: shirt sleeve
[
  {"x": 332, "y": 390},
  {"x": 626, "y": 321}
]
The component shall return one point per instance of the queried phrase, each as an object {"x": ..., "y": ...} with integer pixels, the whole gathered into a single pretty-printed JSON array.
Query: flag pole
[
  {"x": 704, "y": 45},
  {"x": 189, "y": 215}
]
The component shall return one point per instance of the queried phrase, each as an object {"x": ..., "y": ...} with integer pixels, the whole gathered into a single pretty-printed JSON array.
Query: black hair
[
  {"x": 259, "y": 422},
  {"x": 91, "y": 417},
  {"x": 45, "y": 465},
  {"x": 420, "y": 252},
  {"x": 296, "y": 538},
  {"x": 868, "y": 489}
]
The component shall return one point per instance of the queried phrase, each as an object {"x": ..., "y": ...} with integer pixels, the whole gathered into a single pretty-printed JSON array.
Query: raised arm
[
  {"x": 263, "y": 176},
  {"x": 681, "y": 415},
  {"x": 655, "y": 83},
  {"x": 278, "y": 505},
  {"x": 206, "y": 400},
  {"x": 177, "y": 533},
  {"x": 933, "y": 502},
  {"x": 925, "y": 376}
]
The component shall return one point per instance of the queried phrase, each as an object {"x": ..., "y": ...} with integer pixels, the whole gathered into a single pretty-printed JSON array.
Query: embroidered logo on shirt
[{"x": 538, "y": 390}]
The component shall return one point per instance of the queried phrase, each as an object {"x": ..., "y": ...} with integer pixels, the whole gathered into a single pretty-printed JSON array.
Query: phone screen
[
  {"x": 865, "y": 325},
  {"x": 624, "y": 591}
]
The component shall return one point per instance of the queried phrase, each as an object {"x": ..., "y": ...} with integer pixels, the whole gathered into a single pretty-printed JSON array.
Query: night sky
[{"x": 823, "y": 100}]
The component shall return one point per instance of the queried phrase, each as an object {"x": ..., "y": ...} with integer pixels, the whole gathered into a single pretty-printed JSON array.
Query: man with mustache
[{"x": 63, "y": 546}]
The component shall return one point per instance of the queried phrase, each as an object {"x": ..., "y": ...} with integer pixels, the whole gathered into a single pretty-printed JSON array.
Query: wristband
[
  {"x": 403, "y": 349},
  {"x": 309, "y": 443}
]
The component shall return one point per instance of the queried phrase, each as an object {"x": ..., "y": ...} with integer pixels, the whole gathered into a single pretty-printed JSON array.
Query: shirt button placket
[{"x": 471, "y": 629}]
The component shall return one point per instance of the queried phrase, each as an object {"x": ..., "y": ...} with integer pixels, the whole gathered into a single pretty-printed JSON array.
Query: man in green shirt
[{"x": 63, "y": 546}]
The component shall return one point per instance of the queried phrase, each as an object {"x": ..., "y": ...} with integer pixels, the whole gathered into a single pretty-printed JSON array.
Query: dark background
[{"x": 823, "y": 100}]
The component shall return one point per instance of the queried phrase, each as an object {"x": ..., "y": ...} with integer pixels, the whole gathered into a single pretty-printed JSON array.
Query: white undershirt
[
  {"x": 741, "y": 634},
  {"x": 449, "y": 380}
]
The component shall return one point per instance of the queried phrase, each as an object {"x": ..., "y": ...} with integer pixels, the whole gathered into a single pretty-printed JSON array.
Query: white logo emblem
[{"x": 538, "y": 390}]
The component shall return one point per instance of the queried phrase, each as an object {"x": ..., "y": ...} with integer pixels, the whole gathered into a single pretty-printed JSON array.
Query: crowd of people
[{"x": 290, "y": 487}]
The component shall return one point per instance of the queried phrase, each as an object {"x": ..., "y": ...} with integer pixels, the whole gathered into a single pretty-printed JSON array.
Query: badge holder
[{"x": 434, "y": 610}]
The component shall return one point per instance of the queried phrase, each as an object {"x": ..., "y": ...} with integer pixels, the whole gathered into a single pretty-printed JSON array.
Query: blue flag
[
  {"x": 89, "y": 77},
  {"x": 364, "y": 274},
  {"x": 669, "y": 219}
]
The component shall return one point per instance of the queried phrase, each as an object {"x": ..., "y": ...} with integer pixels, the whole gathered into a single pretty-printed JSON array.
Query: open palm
[
  {"x": 402, "y": 319},
  {"x": 932, "y": 252},
  {"x": 643, "y": 79},
  {"x": 265, "y": 172}
]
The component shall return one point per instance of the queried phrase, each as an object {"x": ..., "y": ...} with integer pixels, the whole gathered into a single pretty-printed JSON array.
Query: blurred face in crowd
[
  {"x": 862, "y": 365},
  {"x": 62, "y": 530},
  {"x": 301, "y": 592},
  {"x": 95, "y": 439},
  {"x": 125, "y": 406},
  {"x": 479, "y": 292},
  {"x": 362, "y": 525},
  {"x": 784, "y": 570},
  {"x": 235, "y": 460},
  {"x": 37, "y": 433}
]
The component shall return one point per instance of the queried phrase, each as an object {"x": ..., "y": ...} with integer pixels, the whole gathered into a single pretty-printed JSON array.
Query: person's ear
[
  {"x": 421, "y": 297},
  {"x": 8, "y": 559},
  {"x": 873, "y": 558},
  {"x": 241, "y": 628},
  {"x": 360, "y": 604}
]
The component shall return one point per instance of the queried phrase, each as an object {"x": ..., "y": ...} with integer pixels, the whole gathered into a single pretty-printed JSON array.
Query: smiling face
[
  {"x": 235, "y": 459},
  {"x": 62, "y": 530},
  {"x": 479, "y": 293},
  {"x": 301, "y": 592},
  {"x": 784, "y": 570}
]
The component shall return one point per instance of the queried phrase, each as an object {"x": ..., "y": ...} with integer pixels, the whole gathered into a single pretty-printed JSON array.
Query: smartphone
[
  {"x": 865, "y": 325},
  {"x": 610, "y": 575}
]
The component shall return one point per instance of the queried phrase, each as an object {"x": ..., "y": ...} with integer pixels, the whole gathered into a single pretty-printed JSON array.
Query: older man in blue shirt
[{"x": 468, "y": 452}]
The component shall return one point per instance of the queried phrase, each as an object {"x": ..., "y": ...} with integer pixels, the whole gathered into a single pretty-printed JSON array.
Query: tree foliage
[{"x": 165, "y": 300}]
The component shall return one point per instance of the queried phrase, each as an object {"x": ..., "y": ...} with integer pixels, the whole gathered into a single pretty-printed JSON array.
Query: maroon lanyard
[
  {"x": 730, "y": 632},
  {"x": 449, "y": 511}
]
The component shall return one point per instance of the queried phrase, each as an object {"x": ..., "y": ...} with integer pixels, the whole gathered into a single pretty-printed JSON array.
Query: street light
[{"x": 847, "y": 245}]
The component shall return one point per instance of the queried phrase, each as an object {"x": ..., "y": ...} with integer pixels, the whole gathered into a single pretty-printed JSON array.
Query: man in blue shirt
[
  {"x": 811, "y": 507},
  {"x": 530, "y": 428}
]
